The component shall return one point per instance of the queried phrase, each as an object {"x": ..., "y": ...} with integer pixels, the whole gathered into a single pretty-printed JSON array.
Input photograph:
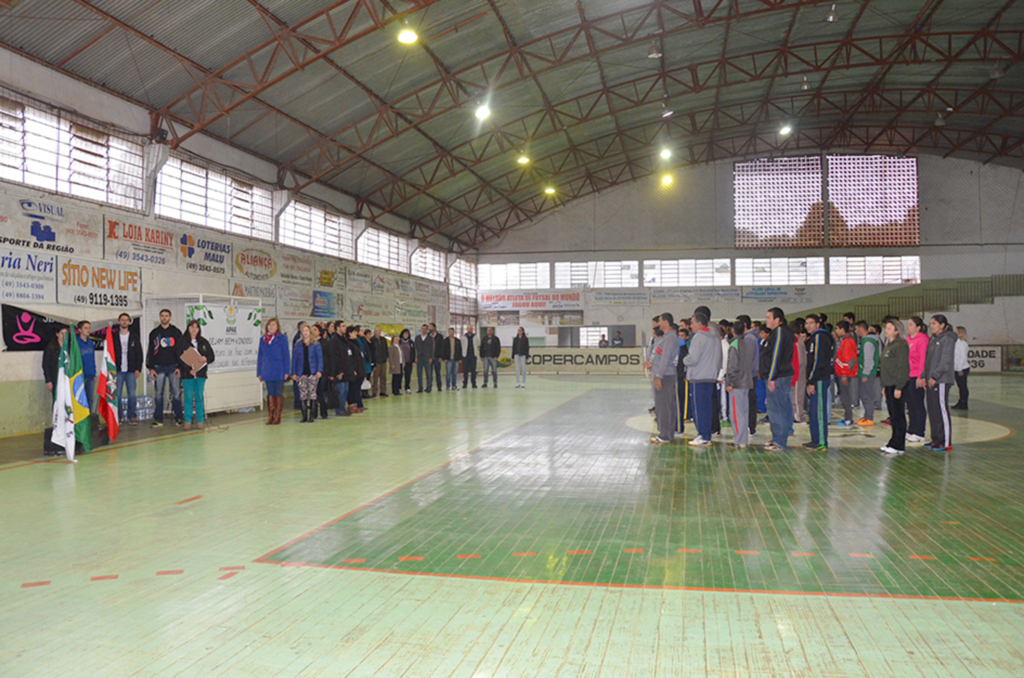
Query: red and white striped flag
[{"x": 107, "y": 388}]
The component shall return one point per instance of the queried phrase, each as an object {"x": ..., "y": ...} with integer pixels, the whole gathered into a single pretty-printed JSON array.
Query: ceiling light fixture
[
  {"x": 940, "y": 120},
  {"x": 523, "y": 159},
  {"x": 666, "y": 112},
  {"x": 786, "y": 130},
  {"x": 805, "y": 85},
  {"x": 483, "y": 112},
  {"x": 831, "y": 16},
  {"x": 654, "y": 52},
  {"x": 550, "y": 190},
  {"x": 666, "y": 179},
  {"x": 407, "y": 35},
  {"x": 665, "y": 154}
]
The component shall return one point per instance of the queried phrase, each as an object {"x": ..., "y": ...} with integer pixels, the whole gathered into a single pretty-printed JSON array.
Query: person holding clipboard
[{"x": 194, "y": 356}]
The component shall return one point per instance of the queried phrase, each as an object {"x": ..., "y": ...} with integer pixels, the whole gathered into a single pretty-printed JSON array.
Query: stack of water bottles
[{"x": 143, "y": 407}]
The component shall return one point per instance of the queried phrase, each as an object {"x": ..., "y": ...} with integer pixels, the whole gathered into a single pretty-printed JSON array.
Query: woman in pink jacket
[{"x": 918, "y": 340}]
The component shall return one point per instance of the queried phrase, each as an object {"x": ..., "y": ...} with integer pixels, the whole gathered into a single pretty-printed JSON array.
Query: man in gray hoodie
[
  {"x": 739, "y": 381},
  {"x": 703, "y": 362},
  {"x": 663, "y": 362}
]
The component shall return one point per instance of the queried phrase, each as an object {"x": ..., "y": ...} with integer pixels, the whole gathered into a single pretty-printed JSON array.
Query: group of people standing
[
  {"x": 337, "y": 366},
  {"x": 702, "y": 371}
]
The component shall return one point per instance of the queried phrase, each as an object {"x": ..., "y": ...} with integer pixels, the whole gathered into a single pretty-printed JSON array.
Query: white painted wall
[{"x": 972, "y": 225}]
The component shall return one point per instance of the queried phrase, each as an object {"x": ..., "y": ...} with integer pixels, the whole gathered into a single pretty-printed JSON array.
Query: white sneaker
[
  {"x": 700, "y": 442},
  {"x": 891, "y": 450},
  {"x": 911, "y": 438}
]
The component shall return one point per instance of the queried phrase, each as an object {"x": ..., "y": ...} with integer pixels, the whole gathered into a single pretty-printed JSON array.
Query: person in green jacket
[
  {"x": 867, "y": 372},
  {"x": 895, "y": 377}
]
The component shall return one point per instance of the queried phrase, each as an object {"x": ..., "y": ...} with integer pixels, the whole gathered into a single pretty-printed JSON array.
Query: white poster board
[
  {"x": 985, "y": 358},
  {"x": 233, "y": 332}
]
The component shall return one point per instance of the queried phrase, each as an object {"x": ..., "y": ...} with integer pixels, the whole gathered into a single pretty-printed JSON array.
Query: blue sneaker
[
  {"x": 932, "y": 448},
  {"x": 845, "y": 422}
]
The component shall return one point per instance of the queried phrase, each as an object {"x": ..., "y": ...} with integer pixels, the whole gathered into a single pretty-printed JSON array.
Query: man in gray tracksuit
[
  {"x": 664, "y": 359},
  {"x": 703, "y": 362},
  {"x": 739, "y": 381}
]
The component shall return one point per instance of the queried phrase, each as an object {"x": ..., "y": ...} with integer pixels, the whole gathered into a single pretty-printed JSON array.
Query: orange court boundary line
[{"x": 654, "y": 587}]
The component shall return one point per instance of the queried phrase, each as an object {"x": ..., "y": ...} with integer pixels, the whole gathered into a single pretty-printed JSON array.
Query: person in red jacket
[{"x": 846, "y": 370}]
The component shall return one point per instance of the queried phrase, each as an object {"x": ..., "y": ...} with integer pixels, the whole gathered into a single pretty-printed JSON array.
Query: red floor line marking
[
  {"x": 632, "y": 550},
  {"x": 861, "y": 555},
  {"x": 921, "y": 557},
  {"x": 689, "y": 551},
  {"x": 476, "y": 449},
  {"x": 185, "y": 501},
  {"x": 584, "y": 552},
  {"x": 980, "y": 559},
  {"x": 404, "y": 558},
  {"x": 233, "y": 567},
  {"x": 161, "y": 573},
  {"x": 828, "y": 594},
  {"x": 748, "y": 553},
  {"x": 796, "y": 554},
  {"x": 354, "y": 560},
  {"x": 32, "y": 584},
  {"x": 524, "y": 555},
  {"x": 229, "y": 575},
  {"x": 465, "y": 556},
  {"x": 105, "y": 577}
]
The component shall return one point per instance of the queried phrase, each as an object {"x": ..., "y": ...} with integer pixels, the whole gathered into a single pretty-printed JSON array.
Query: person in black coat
[
  {"x": 490, "y": 351},
  {"x": 355, "y": 369},
  {"x": 193, "y": 381},
  {"x": 51, "y": 362},
  {"x": 128, "y": 357},
  {"x": 325, "y": 386},
  {"x": 339, "y": 370},
  {"x": 520, "y": 354}
]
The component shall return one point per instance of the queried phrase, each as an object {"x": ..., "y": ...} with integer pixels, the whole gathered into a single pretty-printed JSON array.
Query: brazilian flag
[{"x": 71, "y": 406}]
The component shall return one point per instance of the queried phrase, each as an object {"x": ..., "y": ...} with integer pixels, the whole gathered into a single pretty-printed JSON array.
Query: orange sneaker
[{"x": 864, "y": 422}]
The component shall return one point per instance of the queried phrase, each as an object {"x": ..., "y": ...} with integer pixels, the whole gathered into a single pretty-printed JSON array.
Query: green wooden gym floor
[{"x": 516, "y": 533}]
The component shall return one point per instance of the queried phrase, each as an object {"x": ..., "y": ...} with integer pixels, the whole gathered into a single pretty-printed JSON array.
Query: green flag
[{"x": 79, "y": 397}]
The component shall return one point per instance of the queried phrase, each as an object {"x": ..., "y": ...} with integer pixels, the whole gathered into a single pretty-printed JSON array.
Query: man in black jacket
[
  {"x": 438, "y": 341},
  {"x": 424, "y": 345},
  {"x": 162, "y": 363},
  {"x": 51, "y": 362},
  {"x": 819, "y": 380},
  {"x": 777, "y": 371},
  {"x": 128, "y": 356},
  {"x": 340, "y": 370},
  {"x": 490, "y": 351},
  {"x": 451, "y": 354}
]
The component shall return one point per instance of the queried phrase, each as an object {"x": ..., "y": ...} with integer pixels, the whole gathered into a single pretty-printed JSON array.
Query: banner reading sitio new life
[
  {"x": 538, "y": 301},
  {"x": 82, "y": 282}
]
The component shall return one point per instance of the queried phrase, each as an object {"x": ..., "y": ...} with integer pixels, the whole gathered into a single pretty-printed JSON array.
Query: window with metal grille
[
  {"x": 386, "y": 250},
  {"x": 569, "y": 274},
  {"x": 429, "y": 263},
  {"x": 873, "y": 201},
  {"x": 52, "y": 151},
  {"x": 687, "y": 273},
  {"x": 461, "y": 300},
  {"x": 533, "y": 276},
  {"x": 874, "y": 270},
  {"x": 461, "y": 323},
  {"x": 778, "y": 203},
  {"x": 311, "y": 228},
  {"x": 781, "y": 271},
  {"x": 590, "y": 337},
  {"x": 463, "y": 274},
  {"x": 198, "y": 195}
]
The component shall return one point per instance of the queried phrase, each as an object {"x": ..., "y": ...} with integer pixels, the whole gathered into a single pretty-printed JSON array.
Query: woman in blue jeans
[
  {"x": 193, "y": 380},
  {"x": 272, "y": 368}
]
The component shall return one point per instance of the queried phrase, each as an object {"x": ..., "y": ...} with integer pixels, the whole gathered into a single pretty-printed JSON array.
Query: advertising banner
[
  {"x": 49, "y": 226},
  {"x": 102, "y": 285},
  {"x": 359, "y": 280},
  {"x": 778, "y": 295},
  {"x": 130, "y": 241},
  {"x": 203, "y": 254},
  {"x": 621, "y": 298},
  {"x": 256, "y": 264},
  {"x": 28, "y": 277},
  {"x": 296, "y": 269},
  {"x": 330, "y": 274},
  {"x": 233, "y": 332},
  {"x": 368, "y": 309},
  {"x": 267, "y": 294},
  {"x": 585, "y": 360},
  {"x": 294, "y": 302},
  {"x": 329, "y": 305},
  {"x": 690, "y": 295},
  {"x": 532, "y": 301},
  {"x": 985, "y": 358}
]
